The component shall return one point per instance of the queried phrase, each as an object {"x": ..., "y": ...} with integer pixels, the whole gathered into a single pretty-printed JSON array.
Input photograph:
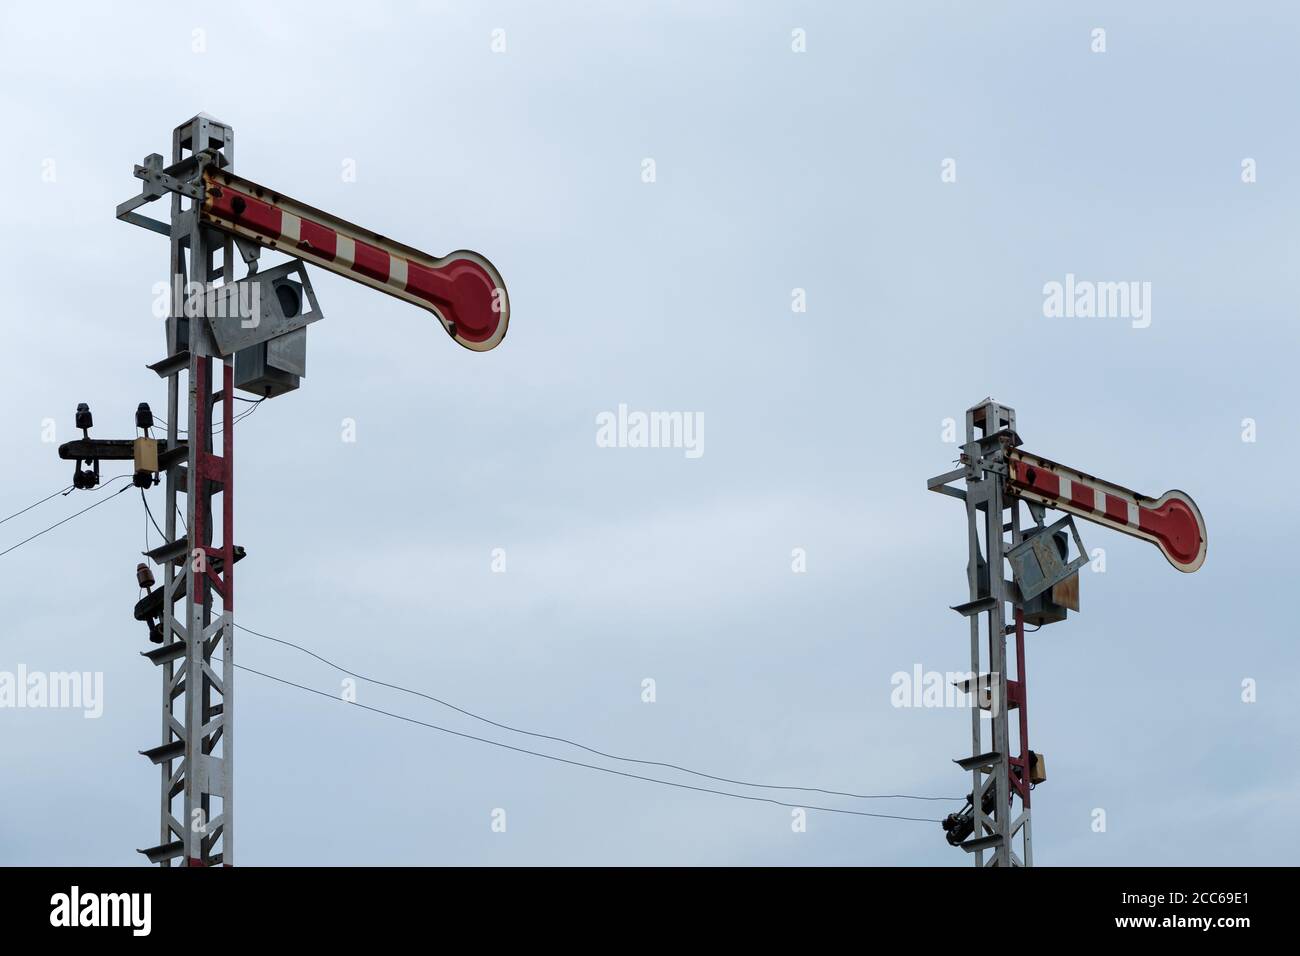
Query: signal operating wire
[
  {"x": 104, "y": 484},
  {"x": 61, "y": 491},
  {"x": 578, "y": 763},
  {"x": 149, "y": 511},
  {"x": 498, "y": 724},
  {"x": 67, "y": 519},
  {"x": 591, "y": 750}
]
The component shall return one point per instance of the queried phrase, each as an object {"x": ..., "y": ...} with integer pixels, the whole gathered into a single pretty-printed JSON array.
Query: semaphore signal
[
  {"x": 998, "y": 477},
  {"x": 225, "y": 333}
]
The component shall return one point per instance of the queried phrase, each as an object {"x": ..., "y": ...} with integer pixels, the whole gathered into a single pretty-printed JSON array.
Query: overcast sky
[{"x": 774, "y": 170}]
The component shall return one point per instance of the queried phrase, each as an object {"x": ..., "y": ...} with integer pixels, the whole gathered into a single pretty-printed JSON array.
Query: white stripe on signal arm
[
  {"x": 397, "y": 272},
  {"x": 346, "y": 252},
  {"x": 290, "y": 227}
]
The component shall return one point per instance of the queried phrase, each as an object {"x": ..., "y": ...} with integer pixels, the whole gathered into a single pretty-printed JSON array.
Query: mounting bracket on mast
[{"x": 184, "y": 178}]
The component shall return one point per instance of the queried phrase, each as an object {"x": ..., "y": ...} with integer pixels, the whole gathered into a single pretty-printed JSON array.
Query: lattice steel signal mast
[
  {"x": 999, "y": 477},
  {"x": 252, "y": 332}
]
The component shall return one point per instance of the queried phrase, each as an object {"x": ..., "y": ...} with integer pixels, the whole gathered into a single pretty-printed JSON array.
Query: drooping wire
[
  {"x": 216, "y": 428},
  {"x": 241, "y": 416},
  {"x": 591, "y": 750},
  {"x": 103, "y": 484},
  {"x": 61, "y": 491},
  {"x": 65, "y": 520},
  {"x": 150, "y": 513},
  {"x": 578, "y": 763}
]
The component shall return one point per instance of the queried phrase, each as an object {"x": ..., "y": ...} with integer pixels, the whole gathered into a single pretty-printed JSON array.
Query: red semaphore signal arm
[
  {"x": 1171, "y": 522},
  {"x": 462, "y": 289}
]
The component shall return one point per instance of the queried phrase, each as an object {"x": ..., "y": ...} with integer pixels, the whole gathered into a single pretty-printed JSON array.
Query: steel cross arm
[
  {"x": 940, "y": 483},
  {"x": 179, "y": 178},
  {"x": 102, "y": 449},
  {"x": 1172, "y": 522},
  {"x": 462, "y": 289}
]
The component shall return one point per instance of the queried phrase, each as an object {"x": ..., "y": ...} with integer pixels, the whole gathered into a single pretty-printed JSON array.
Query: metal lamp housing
[{"x": 263, "y": 321}]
